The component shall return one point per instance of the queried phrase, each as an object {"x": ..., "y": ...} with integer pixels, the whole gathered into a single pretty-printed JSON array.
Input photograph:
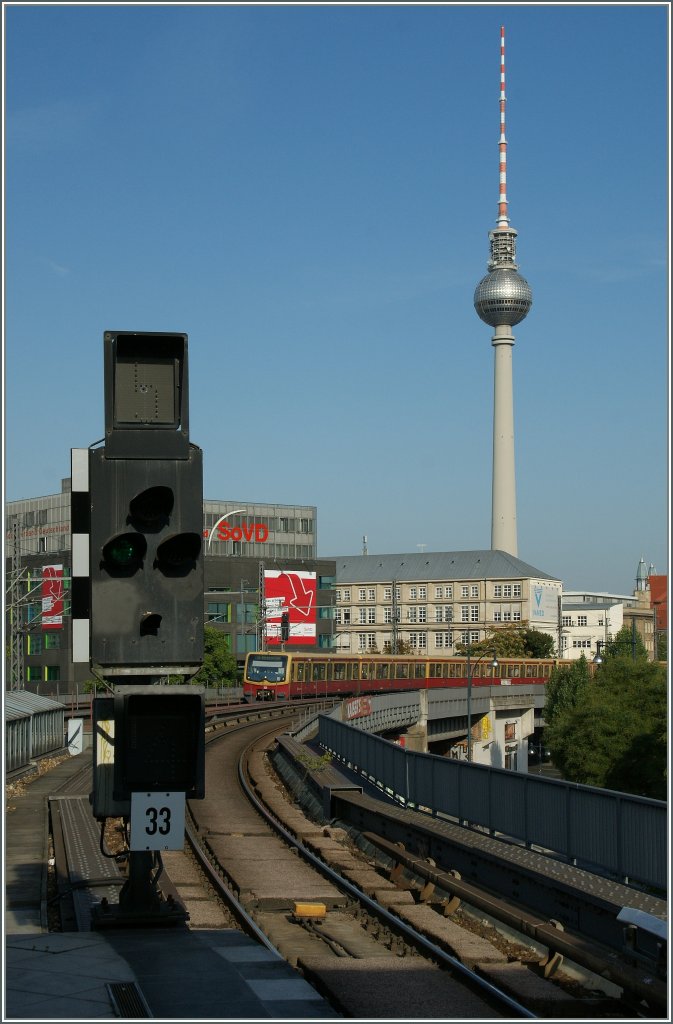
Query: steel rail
[{"x": 395, "y": 923}]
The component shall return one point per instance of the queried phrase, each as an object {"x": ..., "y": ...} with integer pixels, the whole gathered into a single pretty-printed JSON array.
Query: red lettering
[{"x": 259, "y": 531}]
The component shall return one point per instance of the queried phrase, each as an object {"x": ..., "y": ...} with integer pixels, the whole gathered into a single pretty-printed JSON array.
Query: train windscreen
[{"x": 270, "y": 668}]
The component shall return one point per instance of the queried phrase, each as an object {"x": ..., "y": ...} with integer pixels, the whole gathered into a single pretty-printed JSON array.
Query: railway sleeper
[{"x": 600, "y": 961}]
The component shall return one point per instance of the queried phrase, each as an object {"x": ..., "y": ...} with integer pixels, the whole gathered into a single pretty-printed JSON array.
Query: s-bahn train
[{"x": 285, "y": 676}]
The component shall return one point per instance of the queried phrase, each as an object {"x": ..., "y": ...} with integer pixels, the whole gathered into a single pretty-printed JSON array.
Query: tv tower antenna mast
[{"x": 502, "y": 299}]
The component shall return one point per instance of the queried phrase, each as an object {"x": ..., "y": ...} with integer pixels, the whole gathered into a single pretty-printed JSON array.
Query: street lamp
[{"x": 494, "y": 665}]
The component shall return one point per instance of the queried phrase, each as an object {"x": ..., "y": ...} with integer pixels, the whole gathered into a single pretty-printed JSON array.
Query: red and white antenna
[{"x": 503, "y": 219}]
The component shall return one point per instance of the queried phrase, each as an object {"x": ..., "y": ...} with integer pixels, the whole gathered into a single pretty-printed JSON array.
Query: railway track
[{"x": 307, "y": 892}]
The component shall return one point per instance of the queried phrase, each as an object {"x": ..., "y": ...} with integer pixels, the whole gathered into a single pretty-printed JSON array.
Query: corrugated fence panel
[
  {"x": 507, "y": 803},
  {"x": 594, "y": 827},
  {"x": 644, "y": 838},
  {"x": 547, "y": 818},
  {"x": 617, "y": 833}
]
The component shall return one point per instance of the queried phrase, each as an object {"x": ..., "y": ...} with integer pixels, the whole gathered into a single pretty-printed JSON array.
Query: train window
[
  {"x": 318, "y": 671},
  {"x": 419, "y": 670},
  {"x": 530, "y": 671},
  {"x": 456, "y": 670},
  {"x": 340, "y": 670},
  {"x": 435, "y": 670},
  {"x": 515, "y": 671},
  {"x": 367, "y": 670},
  {"x": 382, "y": 670},
  {"x": 354, "y": 670},
  {"x": 299, "y": 671},
  {"x": 401, "y": 671}
]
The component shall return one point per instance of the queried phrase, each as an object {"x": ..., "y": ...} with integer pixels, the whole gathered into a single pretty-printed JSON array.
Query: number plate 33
[{"x": 157, "y": 821}]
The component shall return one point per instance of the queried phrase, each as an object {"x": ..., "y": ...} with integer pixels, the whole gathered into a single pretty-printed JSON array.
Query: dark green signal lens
[{"x": 124, "y": 553}]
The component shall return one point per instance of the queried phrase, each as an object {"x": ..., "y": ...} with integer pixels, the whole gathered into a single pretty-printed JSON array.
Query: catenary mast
[{"x": 502, "y": 299}]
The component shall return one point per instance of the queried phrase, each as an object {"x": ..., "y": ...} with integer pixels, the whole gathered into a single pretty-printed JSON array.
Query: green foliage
[
  {"x": 538, "y": 644},
  {"x": 566, "y": 689},
  {"x": 612, "y": 731},
  {"x": 219, "y": 664},
  {"x": 511, "y": 640},
  {"x": 627, "y": 643},
  {"x": 95, "y": 686},
  {"x": 317, "y": 763}
]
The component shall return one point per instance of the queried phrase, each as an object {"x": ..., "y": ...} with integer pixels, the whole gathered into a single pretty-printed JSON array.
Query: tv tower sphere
[{"x": 503, "y": 297}]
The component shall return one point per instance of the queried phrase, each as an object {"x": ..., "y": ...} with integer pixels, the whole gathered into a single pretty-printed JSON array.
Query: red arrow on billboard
[{"x": 302, "y": 598}]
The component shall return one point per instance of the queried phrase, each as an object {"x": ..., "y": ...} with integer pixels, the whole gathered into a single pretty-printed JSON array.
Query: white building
[{"x": 433, "y": 601}]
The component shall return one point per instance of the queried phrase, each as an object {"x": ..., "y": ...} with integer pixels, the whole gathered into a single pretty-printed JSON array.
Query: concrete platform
[{"x": 172, "y": 973}]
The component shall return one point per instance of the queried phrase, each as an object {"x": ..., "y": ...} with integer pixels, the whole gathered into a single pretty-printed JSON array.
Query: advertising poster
[
  {"x": 52, "y": 597},
  {"x": 292, "y": 592}
]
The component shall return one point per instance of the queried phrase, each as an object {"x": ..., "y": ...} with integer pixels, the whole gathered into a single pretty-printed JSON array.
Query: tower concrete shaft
[{"x": 503, "y": 509}]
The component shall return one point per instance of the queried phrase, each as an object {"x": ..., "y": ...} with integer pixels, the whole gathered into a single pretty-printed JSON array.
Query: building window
[
  {"x": 371, "y": 594},
  {"x": 362, "y": 594},
  {"x": 507, "y": 590},
  {"x": 362, "y": 616},
  {"x": 52, "y": 641},
  {"x": 474, "y": 590},
  {"x": 443, "y": 640},
  {"x": 371, "y": 616},
  {"x": 497, "y": 616},
  {"x": 582, "y": 620},
  {"x": 474, "y": 613},
  {"x": 566, "y": 620},
  {"x": 464, "y": 591},
  {"x": 464, "y": 613},
  {"x": 516, "y": 615},
  {"x": 419, "y": 641},
  {"x": 34, "y": 643},
  {"x": 506, "y": 616},
  {"x": 497, "y": 590},
  {"x": 387, "y": 593},
  {"x": 366, "y": 641},
  {"x": 516, "y": 590},
  {"x": 423, "y": 614},
  {"x": 347, "y": 595},
  {"x": 412, "y": 614},
  {"x": 582, "y": 643},
  {"x": 422, "y": 593},
  {"x": 52, "y": 673},
  {"x": 219, "y": 611},
  {"x": 443, "y": 613},
  {"x": 413, "y": 594}
]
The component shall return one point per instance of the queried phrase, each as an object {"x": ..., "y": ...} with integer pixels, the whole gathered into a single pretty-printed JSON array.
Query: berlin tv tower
[{"x": 502, "y": 299}]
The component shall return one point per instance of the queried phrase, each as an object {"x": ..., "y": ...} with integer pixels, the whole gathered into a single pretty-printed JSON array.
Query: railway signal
[{"x": 146, "y": 523}]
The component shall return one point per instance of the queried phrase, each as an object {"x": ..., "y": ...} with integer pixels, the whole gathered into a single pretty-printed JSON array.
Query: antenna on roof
[{"x": 364, "y": 544}]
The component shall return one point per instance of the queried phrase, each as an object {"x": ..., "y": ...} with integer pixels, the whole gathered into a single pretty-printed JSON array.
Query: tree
[
  {"x": 612, "y": 730},
  {"x": 565, "y": 689},
  {"x": 219, "y": 664},
  {"x": 627, "y": 643},
  {"x": 538, "y": 644}
]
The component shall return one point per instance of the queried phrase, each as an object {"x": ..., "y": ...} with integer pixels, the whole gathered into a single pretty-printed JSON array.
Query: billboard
[
  {"x": 544, "y": 599},
  {"x": 52, "y": 597},
  {"x": 290, "y": 592}
]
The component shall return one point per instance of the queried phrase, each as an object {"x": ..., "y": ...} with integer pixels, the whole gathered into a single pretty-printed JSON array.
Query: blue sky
[{"x": 307, "y": 191}]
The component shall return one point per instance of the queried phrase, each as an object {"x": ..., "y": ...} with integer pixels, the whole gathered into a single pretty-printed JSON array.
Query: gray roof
[
  {"x": 23, "y": 704},
  {"x": 442, "y": 565}
]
